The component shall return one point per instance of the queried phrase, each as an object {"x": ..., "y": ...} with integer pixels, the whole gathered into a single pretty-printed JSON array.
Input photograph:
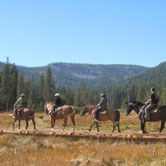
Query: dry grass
[{"x": 16, "y": 150}]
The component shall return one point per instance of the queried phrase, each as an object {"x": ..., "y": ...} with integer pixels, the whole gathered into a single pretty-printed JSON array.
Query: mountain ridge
[{"x": 73, "y": 74}]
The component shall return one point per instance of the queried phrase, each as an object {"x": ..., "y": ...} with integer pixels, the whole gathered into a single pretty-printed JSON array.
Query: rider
[
  {"x": 19, "y": 105},
  {"x": 151, "y": 103},
  {"x": 57, "y": 103},
  {"x": 101, "y": 106}
]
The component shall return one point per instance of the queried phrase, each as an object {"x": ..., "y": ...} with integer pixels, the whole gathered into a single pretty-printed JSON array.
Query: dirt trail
[{"x": 103, "y": 136}]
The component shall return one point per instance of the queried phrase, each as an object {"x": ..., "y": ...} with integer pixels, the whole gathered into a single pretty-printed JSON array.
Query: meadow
[{"x": 19, "y": 150}]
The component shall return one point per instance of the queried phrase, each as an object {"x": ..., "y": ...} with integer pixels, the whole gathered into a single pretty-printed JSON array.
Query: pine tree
[
  {"x": 41, "y": 92},
  {"x": 4, "y": 88},
  {"x": 13, "y": 85},
  {"x": 31, "y": 92},
  {"x": 21, "y": 88},
  {"x": 49, "y": 86}
]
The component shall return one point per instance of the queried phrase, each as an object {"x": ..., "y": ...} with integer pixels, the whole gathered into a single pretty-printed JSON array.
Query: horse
[
  {"x": 110, "y": 114},
  {"x": 26, "y": 114},
  {"x": 157, "y": 114},
  {"x": 64, "y": 112}
]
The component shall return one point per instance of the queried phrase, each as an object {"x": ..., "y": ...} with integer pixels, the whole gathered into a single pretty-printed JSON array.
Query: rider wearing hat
[
  {"x": 57, "y": 103},
  {"x": 19, "y": 104},
  {"x": 102, "y": 106},
  {"x": 151, "y": 103}
]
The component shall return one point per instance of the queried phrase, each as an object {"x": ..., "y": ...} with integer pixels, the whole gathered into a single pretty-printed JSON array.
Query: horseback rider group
[
  {"x": 20, "y": 104},
  {"x": 151, "y": 103}
]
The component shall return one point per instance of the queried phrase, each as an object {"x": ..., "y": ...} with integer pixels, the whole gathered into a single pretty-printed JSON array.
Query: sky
[{"x": 36, "y": 33}]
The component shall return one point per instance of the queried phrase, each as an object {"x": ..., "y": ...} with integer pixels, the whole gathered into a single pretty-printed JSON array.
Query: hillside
[
  {"x": 71, "y": 75},
  {"x": 155, "y": 76}
]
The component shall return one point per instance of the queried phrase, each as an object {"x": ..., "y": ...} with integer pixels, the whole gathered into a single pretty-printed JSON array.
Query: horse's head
[
  {"x": 86, "y": 108},
  {"x": 130, "y": 107},
  {"x": 134, "y": 105},
  {"x": 48, "y": 107},
  {"x": 45, "y": 109},
  {"x": 83, "y": 110}
]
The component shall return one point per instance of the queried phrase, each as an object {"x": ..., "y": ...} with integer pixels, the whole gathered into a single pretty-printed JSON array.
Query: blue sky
[{"x": 39, "y": 32}]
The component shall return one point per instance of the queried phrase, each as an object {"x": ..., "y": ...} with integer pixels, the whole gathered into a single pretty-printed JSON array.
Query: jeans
[{"x": 97, "y": 114}]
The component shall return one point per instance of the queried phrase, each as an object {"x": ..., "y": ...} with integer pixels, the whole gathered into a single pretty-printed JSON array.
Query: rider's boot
[
  {"x": 147, "y": 115},
  {"x": 19, "y": 113}
]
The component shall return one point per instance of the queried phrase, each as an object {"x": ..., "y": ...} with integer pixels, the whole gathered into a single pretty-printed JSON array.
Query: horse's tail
[
  {"x": 32, "y": 113},
  {"x": 117, "y": 117}
]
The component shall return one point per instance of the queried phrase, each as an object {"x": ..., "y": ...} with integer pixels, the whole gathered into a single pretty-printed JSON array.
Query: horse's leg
[
  {"x": 53, "y": 119},
  {"x": 116, "y": 124},
  {"x": 97, "y": 126},
  {"x": 73, "y": 121},
  {"x": 162, "y": 125},
  {"x": 64, "y": 123},
  {"x": 143, "y": 127},
  {"x": 118, "y": 128},
  {"x": 19, "y": 121},
  {"x": 113, "y": 128},
  {"x": 14, "y": 123},
  {"x": 52, "y": 122},
  {"x": 34, "y": 123},
  {"x": 27, "y": 124},
  {"x": 91, "y": 126}
]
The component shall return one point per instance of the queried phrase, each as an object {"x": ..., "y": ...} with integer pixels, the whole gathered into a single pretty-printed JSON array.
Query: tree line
[{"x": 13, "y": 83}]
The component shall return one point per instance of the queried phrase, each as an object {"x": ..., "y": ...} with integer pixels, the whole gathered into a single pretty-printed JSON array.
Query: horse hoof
[{"x": 142, "y": 132}]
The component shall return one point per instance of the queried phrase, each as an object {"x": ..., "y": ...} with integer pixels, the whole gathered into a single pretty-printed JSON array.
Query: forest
[{"x": 14, "y": 82}]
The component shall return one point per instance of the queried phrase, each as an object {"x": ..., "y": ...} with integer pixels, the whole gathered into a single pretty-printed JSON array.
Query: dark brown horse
[
  {"x": 27, "y": 115},
  {"x": 158, "y": 114},
  {"x": 110, "y": 114},
  {"x": 64, "y": 112}
]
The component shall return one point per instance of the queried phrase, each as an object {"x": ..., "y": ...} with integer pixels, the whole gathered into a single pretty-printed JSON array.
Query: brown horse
[
  {"x": 26, "y": 115},
  {"x": 158, "y": 114},
  {"x": 64, "y": 112},
  {"x": 110, "y": 114}
]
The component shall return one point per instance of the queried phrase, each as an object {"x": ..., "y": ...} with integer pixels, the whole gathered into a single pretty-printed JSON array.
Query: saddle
[
  {"x": 103, "y": 112},
  {"x": 20, "y": 109},
  {"x": 142, "y": 112},
  {"x": 59, "y": 110},
  {"x": 154, "y": 110}
]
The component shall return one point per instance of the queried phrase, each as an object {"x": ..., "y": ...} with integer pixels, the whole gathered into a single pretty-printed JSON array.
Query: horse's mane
[
  {"x": 90, "y": 106},
  {"x": 138, "y": 103},
  {"x": 49, "y": 102}
]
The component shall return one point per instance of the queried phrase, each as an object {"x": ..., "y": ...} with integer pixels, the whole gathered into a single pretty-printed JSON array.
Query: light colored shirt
[{"x": 20, "y": 102}]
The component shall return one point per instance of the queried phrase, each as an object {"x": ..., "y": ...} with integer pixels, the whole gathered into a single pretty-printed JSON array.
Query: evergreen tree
[
  {"x": 31, "y": 92},
  {"x": 21, "y": 88},
  {"x": 13, "y": 85},
  {"x": 4, "y": 89},
  {"x": 41, "y": 88},
  {"x": 49, "y": 86}
]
